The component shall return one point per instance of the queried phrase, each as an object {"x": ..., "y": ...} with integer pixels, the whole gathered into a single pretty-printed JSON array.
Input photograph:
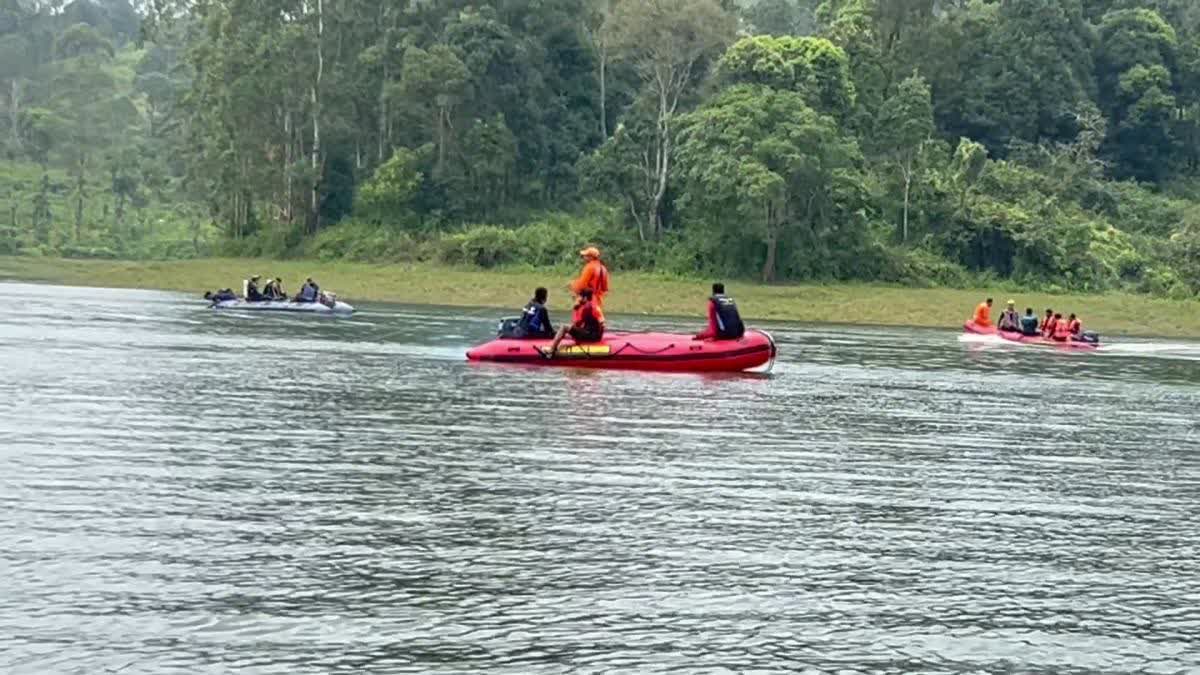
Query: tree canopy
[{"x": 1055, "y": 142}]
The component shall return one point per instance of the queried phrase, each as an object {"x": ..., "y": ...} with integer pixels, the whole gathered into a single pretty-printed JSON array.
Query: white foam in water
[{"x": 1172, "y": 349}]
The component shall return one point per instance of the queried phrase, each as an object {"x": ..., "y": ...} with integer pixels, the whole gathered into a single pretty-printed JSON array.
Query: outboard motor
[{"x": 508, "y": 328}]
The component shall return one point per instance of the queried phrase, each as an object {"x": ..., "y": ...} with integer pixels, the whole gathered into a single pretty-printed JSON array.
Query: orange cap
[{"x": 590, "y": 252}]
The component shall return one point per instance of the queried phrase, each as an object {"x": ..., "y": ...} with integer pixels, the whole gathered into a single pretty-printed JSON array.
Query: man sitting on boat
[
  {"x": 252, "y": 293},
  {"x": 1029, "y": 323},
  {"x": 535, "y": 320},
  {"x": 1048, "y": 323},
  {"x": 273, "y": 290},
  {"x": 587, "y": 323},
  {"x": 309, "y": 292},
  {"x": 983, "y": 314},
  {"x": 1009, "y": 320},
  {"x": 724, "y": 321}
]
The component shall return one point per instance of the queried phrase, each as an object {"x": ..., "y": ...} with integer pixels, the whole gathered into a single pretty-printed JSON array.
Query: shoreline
[{"x": 633, "y": 293}]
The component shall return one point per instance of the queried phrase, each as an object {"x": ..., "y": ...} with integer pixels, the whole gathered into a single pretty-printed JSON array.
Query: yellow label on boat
[{"x": 580, "y": 350}]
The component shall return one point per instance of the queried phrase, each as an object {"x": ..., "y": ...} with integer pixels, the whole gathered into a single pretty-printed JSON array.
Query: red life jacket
[
  {"x": 1048, "y": 326},
  {"x": 585, "y": 311},
  {"x": 1075, "y": 327}
]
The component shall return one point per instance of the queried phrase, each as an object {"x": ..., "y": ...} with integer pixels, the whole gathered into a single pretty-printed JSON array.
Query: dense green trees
[{"x": 1052, "y": 141}]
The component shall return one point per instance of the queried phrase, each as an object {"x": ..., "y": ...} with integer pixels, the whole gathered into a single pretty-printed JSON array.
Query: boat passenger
[
  {"x": 1029, "y": 323},
  {"x": 308, "y": 292},
  {"x": 983, "y": 314},
  {"x": 1074, "y": 327},
  {"x": 594, "y": 276},
  {"x": 222, "y": 295},
  {"x": 252, "y": 292},
  {"x": 274, "y": 289},
  {"x": 1048, "y": 323},
  {"x": 535, "y": 320},
  {"x": 587, "y": 323},
  {"x": 724, "y": 322},
  {"x": 1010, "y": 321},
  {"x": 1061, "y": 331}
]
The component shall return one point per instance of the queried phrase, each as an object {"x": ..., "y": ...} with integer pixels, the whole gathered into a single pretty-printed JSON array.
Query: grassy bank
[{"x": 633, "y": 293}]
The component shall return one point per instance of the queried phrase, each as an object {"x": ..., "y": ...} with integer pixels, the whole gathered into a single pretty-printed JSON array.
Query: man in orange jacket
[
  {"x": 983, "y": 314},
  {"x": 593, "y": 277}
]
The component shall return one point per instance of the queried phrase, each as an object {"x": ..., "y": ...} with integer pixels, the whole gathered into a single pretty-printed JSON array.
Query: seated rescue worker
[
  {"x": 252, "y": 292},
  {"x": 1061, "y": 331},
  {"x": 1009, "y": 320},
  {"x": 1029, "y": 323},
  {"x": 983, "y": 314},
  {"x": 587, "y": 323},
  {"x": 1048, "y": 323},
  {"x": 535, "y": 320},
  {"x": 1074, "y": 327},
  {"x": 724, "y": 322}
]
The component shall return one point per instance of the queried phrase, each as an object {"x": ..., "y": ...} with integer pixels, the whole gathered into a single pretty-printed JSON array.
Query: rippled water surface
[{"x": 184, "y": 492}]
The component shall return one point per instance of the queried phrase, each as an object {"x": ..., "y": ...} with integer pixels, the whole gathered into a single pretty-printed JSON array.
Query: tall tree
[
  {"x": 761, "y": 160},
  {"x": 905, "y": 124},
  {"x": 668, "y": 41}
]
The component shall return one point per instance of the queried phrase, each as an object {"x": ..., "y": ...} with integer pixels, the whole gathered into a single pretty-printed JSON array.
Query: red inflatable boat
[
  {"x": 972, "y": 327},
  {"x": 664, "y": 352}
]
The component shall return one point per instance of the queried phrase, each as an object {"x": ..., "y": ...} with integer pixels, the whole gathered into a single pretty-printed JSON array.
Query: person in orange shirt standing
[{"x": 593, "y": 277}]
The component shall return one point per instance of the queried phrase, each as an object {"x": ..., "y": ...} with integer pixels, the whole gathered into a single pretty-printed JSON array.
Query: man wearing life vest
[
  {"x": 983, "y": 314},
  {"x": 535, "y": 320},
  {"x": 1062, "y": 330},
  {"x": 593, "y": 277},
  {"x": 724, "y": 322},
  {"x": 1048, "y": 323},
  {"x": 1029, "y": 323},
  {"x": 587, "y": 323},
  {"x": 1010, "y": 320},
  {"x": 1074, "y": 327}
]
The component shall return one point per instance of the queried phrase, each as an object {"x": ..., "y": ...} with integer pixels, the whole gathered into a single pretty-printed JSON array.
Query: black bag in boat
[{"x": 1089, "y": 337}]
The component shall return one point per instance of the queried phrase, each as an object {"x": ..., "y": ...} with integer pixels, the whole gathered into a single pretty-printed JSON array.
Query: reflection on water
[{"x": 189, "y": 492}]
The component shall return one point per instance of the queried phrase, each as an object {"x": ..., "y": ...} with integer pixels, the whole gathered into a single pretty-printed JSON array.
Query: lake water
[{"x": 185, "y": 492}]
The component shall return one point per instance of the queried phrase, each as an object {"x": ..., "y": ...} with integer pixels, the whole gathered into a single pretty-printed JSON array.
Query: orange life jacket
[
  {"x": 1075, "y": 327},
  {"x": 1048, "y": 325},
  {"x": 595, "y": 277},
  {"x": 983, "y": 314},
  {"x": 1062, "y": 331}
]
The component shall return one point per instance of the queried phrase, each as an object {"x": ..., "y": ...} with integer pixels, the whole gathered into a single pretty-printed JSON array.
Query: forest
[{"x": 1051, "y": 143}]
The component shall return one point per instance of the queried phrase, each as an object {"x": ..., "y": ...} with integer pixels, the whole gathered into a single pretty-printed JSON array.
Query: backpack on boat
[{"x": 1089, "y": 337}]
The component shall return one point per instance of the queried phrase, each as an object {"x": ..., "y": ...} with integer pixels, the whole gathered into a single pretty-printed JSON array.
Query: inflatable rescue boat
[
  {"x": 334, "y": 307},
  {"x": 1021, "y": 338},
  {"x": 663, "y": 352}
]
